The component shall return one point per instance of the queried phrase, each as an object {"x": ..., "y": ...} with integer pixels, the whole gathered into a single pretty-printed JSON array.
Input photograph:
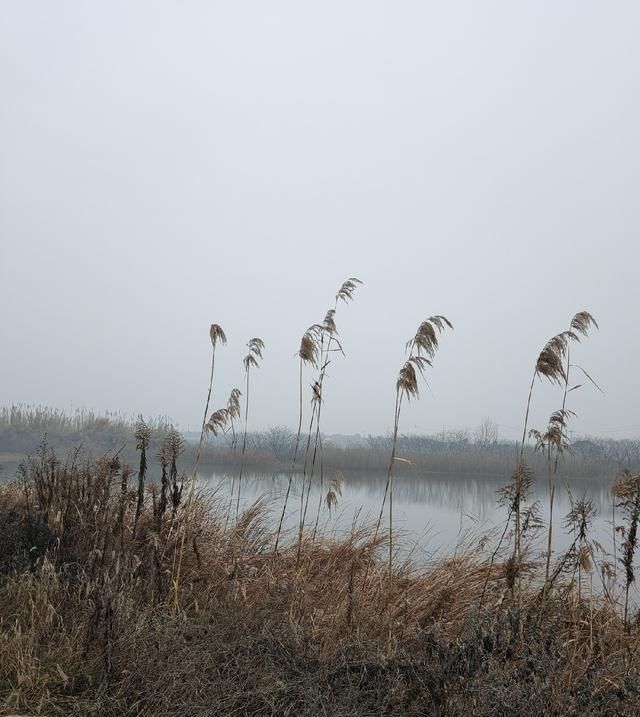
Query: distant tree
[
  {"x": 486, "y": 434},
  {"x": 280, "y": 441}
]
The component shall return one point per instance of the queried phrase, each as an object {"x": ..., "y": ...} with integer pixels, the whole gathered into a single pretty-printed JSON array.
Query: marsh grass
[
  {"x": 421, "y": 350},
  {"x": 308, "y": 354},
  {"x": 626, "y": 491},
  {"x": 112, "y": 605},
  {"x": 89, "y": 625},
  {"x": 255, "y": 347},
  {"x": 321, "y": 340},
  {"x": 216, "y": 336}
]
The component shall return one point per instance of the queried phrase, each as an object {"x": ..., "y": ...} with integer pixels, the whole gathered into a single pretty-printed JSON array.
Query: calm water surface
[{"x": 435, "y": 512}]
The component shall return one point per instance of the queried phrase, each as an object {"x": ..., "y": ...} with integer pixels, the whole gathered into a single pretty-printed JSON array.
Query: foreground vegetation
[
  {"x": 123, "y": 597},
  {"x": 90, "y": 623}
]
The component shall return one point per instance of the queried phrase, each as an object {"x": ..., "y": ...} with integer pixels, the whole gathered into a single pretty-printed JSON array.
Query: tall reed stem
[
  {"x": 244, "y": 444},
  {"x": 215, "y": 334},
  {"x": 293, "y": 463}
]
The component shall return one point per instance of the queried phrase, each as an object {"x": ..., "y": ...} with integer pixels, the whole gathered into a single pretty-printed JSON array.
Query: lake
[{"x": 434, "y": 512}]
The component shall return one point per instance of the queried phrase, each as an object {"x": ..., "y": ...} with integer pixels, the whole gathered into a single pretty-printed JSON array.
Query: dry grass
[
  {"x": 88, "y": 625},
  {"x": 112, "y": 604}
]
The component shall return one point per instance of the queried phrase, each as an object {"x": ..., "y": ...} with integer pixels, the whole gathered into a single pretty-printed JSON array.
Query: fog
[{"x": 169, "y": 165}]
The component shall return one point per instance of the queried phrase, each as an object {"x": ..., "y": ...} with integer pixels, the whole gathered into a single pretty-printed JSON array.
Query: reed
[
  {"x": 143, "y": 436},
  {"x": 255, "y": 347},
  {"x": 308, "y": 354},
  {"x": 326, "y": 336},
  {"x": 549, "y": 365},
  {"x": 553, "y": 442},
  {"x": 89, "y": 625},
  {"x": 344, "y": 294},
  {"x": 171, "y": 483},
  {"x": 626, "y": 490},
  {"x": 421, "y": 350},
  {"x": 233, "y": 414},
  {"x": 110, "y": 606},
  {"x": 335, "y": 490},
  {"x": 580, "y": 325},
  {"x": 216, "y": 336}
]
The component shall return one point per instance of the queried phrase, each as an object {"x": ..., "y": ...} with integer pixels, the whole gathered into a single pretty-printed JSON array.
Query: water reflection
[{"x": 434, "y": 511}]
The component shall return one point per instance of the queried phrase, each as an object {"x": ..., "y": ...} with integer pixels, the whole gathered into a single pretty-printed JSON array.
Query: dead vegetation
[
  {"x": 119, "y": 597},
  {"x": 89, "y": 626}
]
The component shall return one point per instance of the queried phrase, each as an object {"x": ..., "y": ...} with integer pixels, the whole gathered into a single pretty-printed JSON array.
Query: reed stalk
[
  {"x": 255, "y": 346},
  {"x": 325, "y": 331},
  {"x": 295, "y": 455},
  {"x": 421, "y": 349},
  {"x": 216, "y": 335}
]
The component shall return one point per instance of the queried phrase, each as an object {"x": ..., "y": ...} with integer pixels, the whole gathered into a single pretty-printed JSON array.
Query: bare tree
[{"x": 486, "y": 434}]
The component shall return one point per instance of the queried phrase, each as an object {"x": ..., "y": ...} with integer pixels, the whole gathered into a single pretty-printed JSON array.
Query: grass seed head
[
  {"x": 217, "y": 334},
  {"x": 345, "y": 292}
]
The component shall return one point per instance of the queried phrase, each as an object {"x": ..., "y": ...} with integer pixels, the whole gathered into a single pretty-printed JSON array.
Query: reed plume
[
  {"x": 216, "y": 336},
  {"x": 308, "y": 353},
  {"x": 142, "y": 435},
  {"x": 326, "y": 335},
  {"x": 345, "y": 292},
  {"x": 557, "y": 442},
  {"x": 217, "y": 421},
  {"x": 255, "y": 346},
  {"x": 170, "y": 486},
  {"x": 221, "y": 421},
  {"x": 549, "y": 365},
  {"x": 173, "y": 446},
  {"x": 421, "y": 349},
  {"x": 335, "y": 490},
  {"x": 233, "y": 413}
]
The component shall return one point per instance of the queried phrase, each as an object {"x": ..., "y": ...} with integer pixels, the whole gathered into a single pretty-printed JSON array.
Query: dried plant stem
[
  {"x": 326, "y": 329},
  {"x": 517, "y": 498},
  {"x": 321, "y": 496},
  {"x": 244, "y": 444},
  {"x": 305, "y": 498},
  {"x": 552, "y": 477},
  {"x": 293, "y": 462},
  {"x": 307, "y": 452},
  {"x": 317, "y": 444},
  {"x": 526, "y": 416},
  {"x": 216, "y": 334},
  {"x": 579, "y": 325},
  {"x": 424, "y": 344},
  {"x": 315, "y": 417},
  {"x": 204, "y": 418},
  {"x": 552, "y": 493},
  {"x": 143, "y": 436},
  {"x": 390, "y": 482},
  {"x": 254, "y": 353},
  {"x": 394, "y": 443},
  {"x": 318, "y": 409}
]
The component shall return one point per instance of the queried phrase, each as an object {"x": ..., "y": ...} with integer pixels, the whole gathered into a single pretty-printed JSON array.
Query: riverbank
[
  {"x": 273, "y": 450},
  {"x": 109, "y": 606}
]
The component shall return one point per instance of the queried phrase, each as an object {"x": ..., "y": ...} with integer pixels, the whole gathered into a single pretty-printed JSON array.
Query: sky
[{"x": 168, "y": 165}]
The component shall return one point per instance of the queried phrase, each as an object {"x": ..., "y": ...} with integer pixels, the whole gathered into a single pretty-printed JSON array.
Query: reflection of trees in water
[
  {"x": 428, "y": 503},
  {"x": 476, "y": 496}
]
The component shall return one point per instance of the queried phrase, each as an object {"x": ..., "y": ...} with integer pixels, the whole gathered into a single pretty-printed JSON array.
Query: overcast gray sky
[{"x": 165, "y": 165}]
